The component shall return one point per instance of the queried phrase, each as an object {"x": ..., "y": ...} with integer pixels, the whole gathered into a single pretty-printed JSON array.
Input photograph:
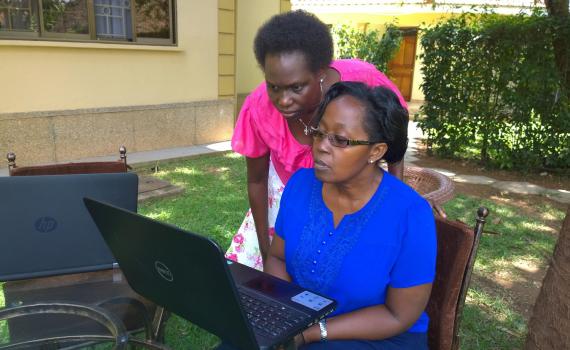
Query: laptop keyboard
[{"x": 269, "y": 318}]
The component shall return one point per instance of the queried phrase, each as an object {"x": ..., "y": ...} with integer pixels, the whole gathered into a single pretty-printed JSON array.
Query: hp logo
[
  {"x": 45, "y": 224},
  {"x": 163, "y": 271}
]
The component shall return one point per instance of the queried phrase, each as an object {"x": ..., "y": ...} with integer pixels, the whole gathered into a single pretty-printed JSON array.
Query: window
[{"x": 139, "y": 21}]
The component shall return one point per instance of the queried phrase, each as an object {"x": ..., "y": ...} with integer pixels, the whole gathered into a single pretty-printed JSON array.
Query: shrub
[
  {"x": 368, "y": 45},
  {"x": 492, "y": 89}
]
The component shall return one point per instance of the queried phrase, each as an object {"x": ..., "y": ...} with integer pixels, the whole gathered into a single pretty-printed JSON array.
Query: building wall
[
  {"x": 227, "y": 48},
  {"x": 45, "y": 76},
  {"x": 64, "y": 101},
  {"x": 249, "y": 75}
]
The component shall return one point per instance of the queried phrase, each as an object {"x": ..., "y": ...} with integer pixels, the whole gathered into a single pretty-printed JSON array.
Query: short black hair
[
  {"x": 385, "y": 120},
  {"x": 295, "y": 31}
]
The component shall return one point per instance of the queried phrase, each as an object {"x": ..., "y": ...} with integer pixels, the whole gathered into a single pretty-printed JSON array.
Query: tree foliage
[{"x": 493, "y": 90}]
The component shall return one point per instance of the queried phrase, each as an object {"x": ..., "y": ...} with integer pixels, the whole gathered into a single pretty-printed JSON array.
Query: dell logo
[
  {"x": 163, "y": 271},
  {"x": 45, "y": 224}
]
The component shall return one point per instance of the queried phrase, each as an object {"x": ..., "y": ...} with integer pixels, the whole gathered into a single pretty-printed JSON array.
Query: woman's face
[
  {"x": 344, "y": 116},
  {"x": 292, "y": 87}
]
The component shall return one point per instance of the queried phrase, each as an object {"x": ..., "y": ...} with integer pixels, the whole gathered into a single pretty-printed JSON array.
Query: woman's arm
[
  {"x": 275, "y": 264},
  {"x": 402, "y": 309},
  {"x": 257, "y": 175}
]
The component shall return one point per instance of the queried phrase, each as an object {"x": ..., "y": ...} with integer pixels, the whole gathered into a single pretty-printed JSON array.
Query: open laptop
[
  {"x": 46, "y": 230},
  {"x": 188, "y": 274}
]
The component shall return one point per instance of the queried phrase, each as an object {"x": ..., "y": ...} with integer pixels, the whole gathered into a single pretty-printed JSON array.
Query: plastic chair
[
  {"x": 457, "y": 246},
  {"x": 118, "y": 166}
]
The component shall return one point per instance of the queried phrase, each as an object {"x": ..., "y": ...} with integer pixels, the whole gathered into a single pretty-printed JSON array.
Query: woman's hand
[{"x": 299, "y": 340}]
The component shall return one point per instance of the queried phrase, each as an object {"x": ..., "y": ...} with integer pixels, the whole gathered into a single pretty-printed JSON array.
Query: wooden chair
[
  {"x": 456, "y": 251},
  {"x": 118, "y": 166}
]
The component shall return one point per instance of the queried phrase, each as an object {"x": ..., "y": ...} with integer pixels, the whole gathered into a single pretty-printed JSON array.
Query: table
[{"x": 76, "y": 308}]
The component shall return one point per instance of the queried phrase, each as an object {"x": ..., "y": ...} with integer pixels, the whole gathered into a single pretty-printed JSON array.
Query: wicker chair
[{"x": 433, "y": 186}]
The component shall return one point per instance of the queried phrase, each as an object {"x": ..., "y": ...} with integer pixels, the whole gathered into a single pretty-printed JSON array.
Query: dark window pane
[
  {"x": 65, "y": 16},
  {"x": 153, "y": 19},
  {"x": 18, "y": 15},
  {"x": 113, "y": 19}
]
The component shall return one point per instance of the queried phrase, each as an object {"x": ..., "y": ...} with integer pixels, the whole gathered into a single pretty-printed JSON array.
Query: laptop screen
[{"x": 46, "y": 230}]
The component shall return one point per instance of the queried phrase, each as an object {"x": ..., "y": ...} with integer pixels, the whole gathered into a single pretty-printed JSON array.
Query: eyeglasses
[{"x": 337, "y": 140}]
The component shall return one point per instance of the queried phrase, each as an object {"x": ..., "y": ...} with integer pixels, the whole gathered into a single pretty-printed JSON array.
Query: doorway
[{"x": 401, "y": 67}]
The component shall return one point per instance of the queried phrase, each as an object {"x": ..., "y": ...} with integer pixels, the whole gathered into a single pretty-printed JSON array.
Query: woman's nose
[
  {"x": 322, "y": 145},
  {"x": 285, "y": 100}
]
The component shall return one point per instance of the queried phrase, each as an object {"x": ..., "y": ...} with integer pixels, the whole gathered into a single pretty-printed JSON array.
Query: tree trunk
[{"x": 549, "y": 327}]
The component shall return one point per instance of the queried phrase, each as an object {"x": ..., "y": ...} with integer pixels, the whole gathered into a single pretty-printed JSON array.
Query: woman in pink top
[{"x": 295, "y": 51}]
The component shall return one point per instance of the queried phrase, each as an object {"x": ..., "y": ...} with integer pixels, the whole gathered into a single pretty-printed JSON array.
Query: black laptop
[
  {"x": 188, "y": 274},
  {"x": 46, "y": 230}
]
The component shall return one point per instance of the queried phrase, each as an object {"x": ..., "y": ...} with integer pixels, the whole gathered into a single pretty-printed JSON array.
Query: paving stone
[
  {"x": 410, "y": 159},
  {"x": 561, "y": 196},
  {"x": 152, "y": 187},
  {"x": 474, "y": 179},
  {"x": 519, "y": 187},
  {"x": 444, "y": 172}
]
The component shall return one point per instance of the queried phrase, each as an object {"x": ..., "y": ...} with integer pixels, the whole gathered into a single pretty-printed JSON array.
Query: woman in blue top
[{"x": 350, "y": 230}]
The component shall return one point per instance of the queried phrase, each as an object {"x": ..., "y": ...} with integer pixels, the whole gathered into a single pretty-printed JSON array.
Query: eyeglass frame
[{"x": 317, "y": 133}]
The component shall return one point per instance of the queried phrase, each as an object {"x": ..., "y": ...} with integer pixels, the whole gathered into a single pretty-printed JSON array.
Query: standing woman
[{"x": 295, "y": 51}]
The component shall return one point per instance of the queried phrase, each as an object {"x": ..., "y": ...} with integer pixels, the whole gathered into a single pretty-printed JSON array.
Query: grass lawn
[{"x": 215, "y": 201}]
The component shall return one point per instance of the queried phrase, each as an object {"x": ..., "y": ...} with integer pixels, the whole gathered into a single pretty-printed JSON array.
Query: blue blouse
[{"x": 391, "y": 241}]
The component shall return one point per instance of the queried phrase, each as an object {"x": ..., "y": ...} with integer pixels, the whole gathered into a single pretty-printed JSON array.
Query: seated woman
[{"x": 351, "y": 231}]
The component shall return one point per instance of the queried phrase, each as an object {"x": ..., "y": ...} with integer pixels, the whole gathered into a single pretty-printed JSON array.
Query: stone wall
[{"x": 59, "y": 136}]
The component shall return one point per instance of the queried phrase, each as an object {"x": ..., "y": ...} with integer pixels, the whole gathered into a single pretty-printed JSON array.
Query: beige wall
[
  {"x": 44, "y": 76},
  {"x": 226, "y": 45},
  {"x": 66, "y": 101},
  {"x": 248, "y": 21}
]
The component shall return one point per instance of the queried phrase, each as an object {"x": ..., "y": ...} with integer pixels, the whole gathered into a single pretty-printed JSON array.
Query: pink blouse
[{"x": 261, "y": 129}]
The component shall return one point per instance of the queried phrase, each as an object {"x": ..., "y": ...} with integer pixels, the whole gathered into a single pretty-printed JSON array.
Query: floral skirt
[{"x": 244, "y": 247}]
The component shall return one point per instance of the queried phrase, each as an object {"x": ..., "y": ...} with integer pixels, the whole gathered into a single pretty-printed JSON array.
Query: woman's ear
[{"x": 378, "y": 151}]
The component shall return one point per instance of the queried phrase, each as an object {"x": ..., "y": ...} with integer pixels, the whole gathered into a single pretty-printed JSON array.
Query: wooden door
[{"x": 401, "y": 67}]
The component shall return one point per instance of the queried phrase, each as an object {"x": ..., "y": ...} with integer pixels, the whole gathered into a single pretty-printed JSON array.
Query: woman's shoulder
[
  {"x": 352, "y": 66},
  {"x": 258, "y": 99},
  {"x": 302, "y": 178},
  {"x": 258, "y": 109},
  {"x": 402, "y": 193}
]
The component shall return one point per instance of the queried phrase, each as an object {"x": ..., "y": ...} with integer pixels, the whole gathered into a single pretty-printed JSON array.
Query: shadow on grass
[
  {"x": 215, "y": 198},
  {"x": 489, "y": 323},
  {"x": 518, "y": 238},
  {"x": 213, "y": 204}
]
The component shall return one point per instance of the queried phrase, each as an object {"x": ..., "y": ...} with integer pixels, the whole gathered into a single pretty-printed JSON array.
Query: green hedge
[{"x": 492, "y": 91}]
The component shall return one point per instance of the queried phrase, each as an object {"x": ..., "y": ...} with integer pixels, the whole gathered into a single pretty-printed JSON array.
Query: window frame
[{"x": 91, "y": 37}]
